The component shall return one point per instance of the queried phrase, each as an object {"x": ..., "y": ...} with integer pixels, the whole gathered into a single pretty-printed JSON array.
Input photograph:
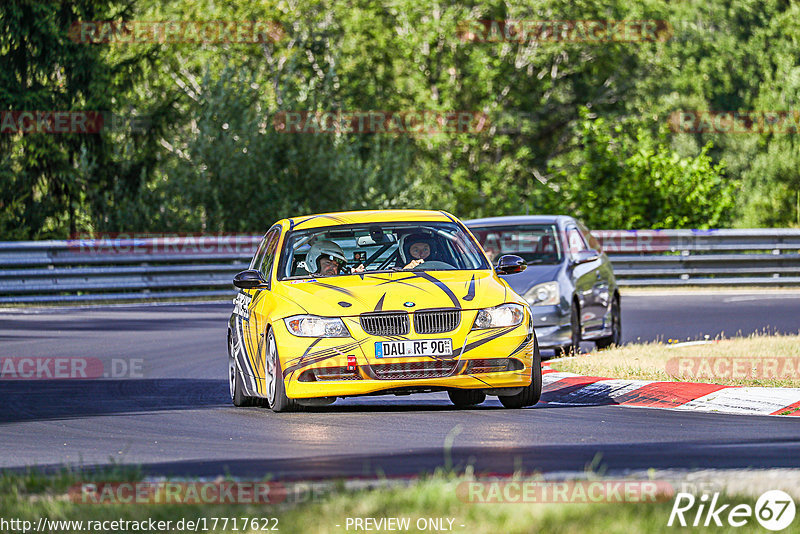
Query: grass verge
[
  {"x": 758, "y": 360},
  {"x": 28, "y": 497}
]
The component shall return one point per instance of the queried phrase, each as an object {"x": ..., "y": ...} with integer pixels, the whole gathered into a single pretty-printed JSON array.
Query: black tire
[
  {"x": 464, "y": 398},
  {"x": 276, "y": 399},
  {"x": 616, "y": 327},
  {"x": 531, "y": 394},
  {"x": 575, "y": 327},
  {"x": 235, "y": 385}
]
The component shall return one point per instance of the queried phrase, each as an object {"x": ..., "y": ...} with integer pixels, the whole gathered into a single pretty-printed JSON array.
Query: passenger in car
[{"x": 326, "y": 258}]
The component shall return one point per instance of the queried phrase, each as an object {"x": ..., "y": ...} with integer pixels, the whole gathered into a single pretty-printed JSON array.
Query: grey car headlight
[
  {"x": 543, "y": 294},
  {"x": 315, "y": 326},
  {"x": 499, "y": 316}
]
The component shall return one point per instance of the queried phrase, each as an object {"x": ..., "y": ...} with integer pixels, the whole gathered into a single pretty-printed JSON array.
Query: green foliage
[
  {"x": 211, "y": 160},
  {"x": 628, "y": 179}
]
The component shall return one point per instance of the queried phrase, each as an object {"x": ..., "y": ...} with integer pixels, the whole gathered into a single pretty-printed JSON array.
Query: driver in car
[
  {"x": 416, "y": 248},
  {"x": 326, "y": 258}
]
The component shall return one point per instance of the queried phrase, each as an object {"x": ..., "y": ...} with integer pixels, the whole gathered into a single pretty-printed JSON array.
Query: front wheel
[
  {"x": 276, "y": 387},
  {"x": 235, "y": 379},
  {"x": 575, "y": 334},
  {"x": 529, "y": 395},
  {"x": 616, "y": 328}
]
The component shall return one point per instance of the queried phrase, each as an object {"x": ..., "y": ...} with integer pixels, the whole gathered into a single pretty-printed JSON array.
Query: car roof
[
  {"x": 366, "y": 216},
  {"x": 520, "y": 219}
]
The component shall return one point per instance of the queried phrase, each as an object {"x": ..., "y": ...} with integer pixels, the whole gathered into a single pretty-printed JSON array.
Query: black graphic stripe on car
[
  {"x": 475, "y": 344},
  {"x": 471, "y": 291},
  {"x": 441, "y": 285}
]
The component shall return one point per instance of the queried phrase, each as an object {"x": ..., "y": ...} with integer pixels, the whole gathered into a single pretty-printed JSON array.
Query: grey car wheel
[
  {"x": 575, "y": 337},
  {"x": 616, "y": 327}
]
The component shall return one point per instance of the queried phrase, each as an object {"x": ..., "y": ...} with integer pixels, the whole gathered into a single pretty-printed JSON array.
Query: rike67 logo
[{"x": 774, "y": 510}]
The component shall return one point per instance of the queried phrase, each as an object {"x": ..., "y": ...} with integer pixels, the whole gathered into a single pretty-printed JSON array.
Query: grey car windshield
[
  {"x": 383, "y": 247},
  {"x": 534, "y": 243}
]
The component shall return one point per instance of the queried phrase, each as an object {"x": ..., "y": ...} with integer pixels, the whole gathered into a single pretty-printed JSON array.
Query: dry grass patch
[{"x": 757, "y": 360}]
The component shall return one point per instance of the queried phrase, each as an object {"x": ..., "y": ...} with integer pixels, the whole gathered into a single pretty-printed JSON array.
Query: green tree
[{"x": 629, "y": 179}]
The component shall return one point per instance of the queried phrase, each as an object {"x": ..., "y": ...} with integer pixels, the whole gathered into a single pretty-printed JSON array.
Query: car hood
[
  {"x": 356, "y": 294},
  {"x": 533, "y": 275}
]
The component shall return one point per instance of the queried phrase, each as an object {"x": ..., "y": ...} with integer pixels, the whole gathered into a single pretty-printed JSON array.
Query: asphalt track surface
[{"x": 174, "y": 417}]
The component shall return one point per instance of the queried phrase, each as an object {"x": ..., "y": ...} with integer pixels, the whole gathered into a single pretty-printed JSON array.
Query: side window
[
  {"x": 575, "y": 241},
  {"x": 259, "y": 255},
  {"x": 270, "y": 251},
  {"x": 589, "y": 238}
]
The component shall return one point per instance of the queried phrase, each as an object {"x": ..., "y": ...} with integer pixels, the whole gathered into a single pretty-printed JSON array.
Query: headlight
[
  {"x": 543, "y": 294},
  {"x": 314, "y": 326},
  {"x": 503, "y": 315}
]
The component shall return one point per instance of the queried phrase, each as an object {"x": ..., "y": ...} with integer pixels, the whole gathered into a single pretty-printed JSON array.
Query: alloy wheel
[{"x": 272, "y": 367}]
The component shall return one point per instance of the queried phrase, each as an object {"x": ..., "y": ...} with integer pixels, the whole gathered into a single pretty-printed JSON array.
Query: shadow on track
[
  {"x": 33, "y": 400},
  {"x": 609, "y": 459},
  {"x": 69, "y": 399},
  {"x": 107, "y": 324}
]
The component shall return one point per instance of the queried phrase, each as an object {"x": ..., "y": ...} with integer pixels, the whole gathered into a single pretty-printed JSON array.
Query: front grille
[
  {"x": 436, "y": 322},
  {"x": 385, "y": 324},
  {"x": 412, "y": 370}
]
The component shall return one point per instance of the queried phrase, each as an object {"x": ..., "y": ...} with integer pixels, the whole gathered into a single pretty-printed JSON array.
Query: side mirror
[
  {"x": 510, "y": 264},
  {"x": 585, "y": 256},
  {"x": 249, "y": 279}
]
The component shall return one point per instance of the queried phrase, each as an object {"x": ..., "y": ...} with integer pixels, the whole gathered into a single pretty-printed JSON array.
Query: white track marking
[
  {"x": 748, "y": 400},
  {"x": 602, "y": 390}
]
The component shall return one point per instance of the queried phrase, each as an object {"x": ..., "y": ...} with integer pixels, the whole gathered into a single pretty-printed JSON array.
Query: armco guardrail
[
  {"x": 203, "y": 266},
  {"x": 760, "y": 257},
  {"x": 122, "y": 268}
]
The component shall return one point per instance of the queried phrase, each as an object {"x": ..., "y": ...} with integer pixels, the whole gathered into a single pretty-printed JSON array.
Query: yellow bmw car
[{"x": 379, "y": 302}]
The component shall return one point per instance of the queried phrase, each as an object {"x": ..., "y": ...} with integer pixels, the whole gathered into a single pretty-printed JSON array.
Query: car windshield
[
  {"x": 379, "y": 247},
  {"x": 535, "y": 243}
]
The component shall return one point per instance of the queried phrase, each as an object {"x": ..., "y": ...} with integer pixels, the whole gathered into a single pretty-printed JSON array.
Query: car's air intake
[
  {"x": 414, "y": 370},
  {"x": 436, "y": 322},
  {"x": 385, "y": 324}
]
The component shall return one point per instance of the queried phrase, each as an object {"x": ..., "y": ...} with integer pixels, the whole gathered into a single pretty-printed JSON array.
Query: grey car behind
[{"x": 569, "y": 283}]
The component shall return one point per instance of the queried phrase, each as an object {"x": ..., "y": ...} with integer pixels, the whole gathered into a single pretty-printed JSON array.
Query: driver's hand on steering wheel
[
  {"x": 414, "y": 263},
  {"x": 359, "y": 269}
]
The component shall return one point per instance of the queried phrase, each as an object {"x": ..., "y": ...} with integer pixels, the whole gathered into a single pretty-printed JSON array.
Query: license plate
[{"x": 422, "y": 347}]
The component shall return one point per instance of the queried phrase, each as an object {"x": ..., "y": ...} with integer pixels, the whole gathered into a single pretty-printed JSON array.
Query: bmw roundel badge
[{"x": 408, "y": 304}]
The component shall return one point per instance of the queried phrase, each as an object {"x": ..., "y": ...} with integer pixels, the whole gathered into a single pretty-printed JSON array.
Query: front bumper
[
  {"x": 371, "y": 375},
  {"x": 551, "y": 337}
]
